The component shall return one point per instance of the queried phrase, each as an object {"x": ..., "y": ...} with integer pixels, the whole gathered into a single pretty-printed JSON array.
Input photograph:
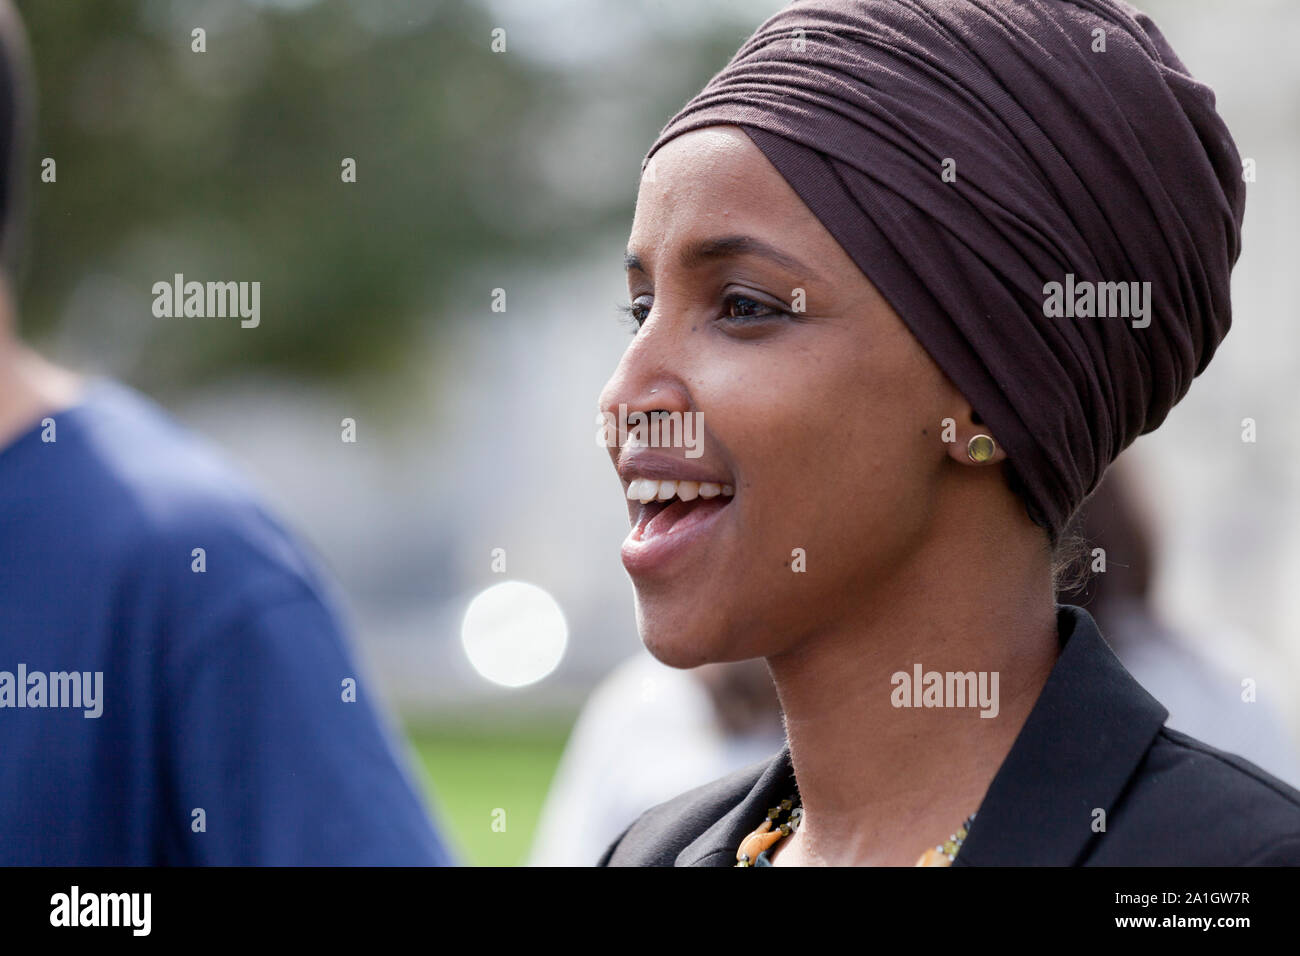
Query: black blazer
[{"x": 1095, "y": 738}]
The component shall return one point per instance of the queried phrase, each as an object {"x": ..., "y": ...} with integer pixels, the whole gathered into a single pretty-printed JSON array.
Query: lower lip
[{"x": 654, "y": 554}]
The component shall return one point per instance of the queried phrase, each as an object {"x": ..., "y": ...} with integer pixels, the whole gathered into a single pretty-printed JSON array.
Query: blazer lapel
[
  {"x": 1083, "y": 740},
  {"x": 717, "y": 845}
]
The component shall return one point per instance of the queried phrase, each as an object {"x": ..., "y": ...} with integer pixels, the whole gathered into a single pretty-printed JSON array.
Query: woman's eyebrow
[{"x": 727, "y": 247}]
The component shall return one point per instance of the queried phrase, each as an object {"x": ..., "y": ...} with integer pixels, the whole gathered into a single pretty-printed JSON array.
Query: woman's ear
[{"x": 969, "y": 441}]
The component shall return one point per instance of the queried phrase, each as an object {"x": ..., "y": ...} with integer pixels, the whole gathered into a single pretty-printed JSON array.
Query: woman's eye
[
  {"x": 742, "y": 307},
  {"x": 637, "y": 312}
]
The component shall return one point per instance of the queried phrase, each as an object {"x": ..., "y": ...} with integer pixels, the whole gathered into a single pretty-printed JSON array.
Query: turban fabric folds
[{"x": 967, "y": 154}]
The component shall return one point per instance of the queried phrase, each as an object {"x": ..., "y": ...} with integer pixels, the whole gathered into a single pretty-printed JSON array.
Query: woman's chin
[
  {"x": 676, "y": 653},
  {"x": 690, "y": 639}
]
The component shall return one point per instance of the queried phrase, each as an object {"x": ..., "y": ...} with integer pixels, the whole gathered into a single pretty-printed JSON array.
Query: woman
[{"x": 923, "y": 268}]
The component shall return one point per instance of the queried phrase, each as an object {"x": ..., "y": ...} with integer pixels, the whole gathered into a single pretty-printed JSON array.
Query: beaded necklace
[{"x": 754, "y": 848}]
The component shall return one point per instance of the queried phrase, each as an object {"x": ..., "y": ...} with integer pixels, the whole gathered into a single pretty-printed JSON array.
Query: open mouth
[{"x": 671, "y": 507}]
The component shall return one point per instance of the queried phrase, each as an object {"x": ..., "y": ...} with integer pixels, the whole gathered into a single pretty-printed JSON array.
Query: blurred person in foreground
[
  {"x": 1203, "y": 693},
  {"x": 175, "y": 685},
  {"x": 878, "y": 260}
]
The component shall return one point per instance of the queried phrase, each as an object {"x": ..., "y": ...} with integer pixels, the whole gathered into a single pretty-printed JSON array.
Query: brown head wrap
[{"x": 967, "y": 153}]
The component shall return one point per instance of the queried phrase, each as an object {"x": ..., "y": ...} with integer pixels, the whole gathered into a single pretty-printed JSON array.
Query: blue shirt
[{"x": 233, "y": 726}]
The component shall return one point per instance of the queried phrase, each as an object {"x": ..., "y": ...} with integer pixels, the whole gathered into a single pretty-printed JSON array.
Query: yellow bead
[{"x": 933, "y": 857}]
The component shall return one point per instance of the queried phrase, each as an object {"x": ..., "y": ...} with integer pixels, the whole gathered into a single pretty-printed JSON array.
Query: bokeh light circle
[{"x": 514, "y": 633}]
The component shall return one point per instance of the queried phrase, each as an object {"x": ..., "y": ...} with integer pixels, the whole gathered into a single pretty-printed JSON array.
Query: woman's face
[{"x": 817, "y": 406}]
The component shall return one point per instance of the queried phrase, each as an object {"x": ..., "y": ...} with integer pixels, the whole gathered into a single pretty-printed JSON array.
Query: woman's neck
[{"x": 885, "y": 768}]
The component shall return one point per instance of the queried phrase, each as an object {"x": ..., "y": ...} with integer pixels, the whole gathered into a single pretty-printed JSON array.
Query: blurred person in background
[
  {"x": 1203, "y": 696},
  {"x": 646, "y": 733},
  {"x": 175, "y": 683}
]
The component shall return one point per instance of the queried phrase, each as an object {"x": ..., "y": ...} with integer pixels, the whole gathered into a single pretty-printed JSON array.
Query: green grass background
[{"x": 469, "y": 771}]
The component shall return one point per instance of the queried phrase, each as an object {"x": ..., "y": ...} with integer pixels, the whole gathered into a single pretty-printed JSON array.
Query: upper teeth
[{"x": 647, "y": 489}]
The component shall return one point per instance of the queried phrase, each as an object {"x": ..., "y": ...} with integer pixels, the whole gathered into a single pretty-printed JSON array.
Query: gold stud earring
[{"x": 980, "y": 448}]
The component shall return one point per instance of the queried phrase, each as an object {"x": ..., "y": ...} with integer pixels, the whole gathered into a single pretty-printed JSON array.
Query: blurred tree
[{"x": 227, "y": 165}]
